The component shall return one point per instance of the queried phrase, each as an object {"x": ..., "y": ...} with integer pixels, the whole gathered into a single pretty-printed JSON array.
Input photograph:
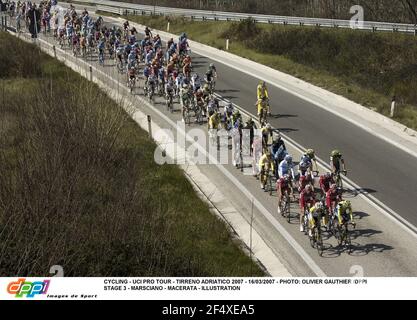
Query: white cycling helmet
[{"x": 319, "y": 206}]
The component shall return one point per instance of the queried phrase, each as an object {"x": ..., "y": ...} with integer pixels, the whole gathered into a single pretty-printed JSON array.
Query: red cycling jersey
[
  {"x": 332, "y": 196},
  {"x": 325, "y": 183},
  {"x": 304, "y": 180},
  {"x": 307, "y": 198},
  {"x": 283, "y": 184}
]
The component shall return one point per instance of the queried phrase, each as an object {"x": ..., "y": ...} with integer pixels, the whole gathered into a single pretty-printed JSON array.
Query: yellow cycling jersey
[
  {"x": 262, "y": 92},
  {"x": 262, "y": 105},
  {"x": 341, "y": 209},
  {"x": 266, "y": 161},
  {"x": 214, "y": 122}
]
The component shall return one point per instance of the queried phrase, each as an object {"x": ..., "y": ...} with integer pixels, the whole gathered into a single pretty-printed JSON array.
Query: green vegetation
[
  {"x": 368, "y": 68},
  {"x": 375, "y": 10},
  {"x": 79, "y": 186}
]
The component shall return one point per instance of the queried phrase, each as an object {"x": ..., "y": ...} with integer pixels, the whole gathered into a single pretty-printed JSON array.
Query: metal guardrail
[
  {"x": 130, "y": 8},
  {"x": 109, "y": 9}
]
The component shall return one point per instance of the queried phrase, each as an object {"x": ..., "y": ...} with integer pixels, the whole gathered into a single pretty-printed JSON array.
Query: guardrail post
[
  {"x": 415, "y": 32},
  {"x": 150, "y": 126},
  {"x": 54, "y": 48},
  {"x": 2, "y": 24},
  {"x": 91, "y": 73},
  {"x": 393, "y": 102}
]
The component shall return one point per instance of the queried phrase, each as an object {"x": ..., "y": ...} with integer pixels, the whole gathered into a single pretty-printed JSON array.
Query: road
[{"x": 381, "y": 247}]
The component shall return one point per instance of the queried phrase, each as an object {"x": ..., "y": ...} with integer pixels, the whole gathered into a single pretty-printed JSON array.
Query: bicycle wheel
[
  {"x": 187, "y": 117},
  {"x": 270, "y": 184},
  {"x": 340, "y": 235},
  {"x": 313, "y": 238},
  {"x": 348, "y": 242},
  {"x": 287, "y": 209},
  {"x": 319, "y": 242},
  {"x": 305, "y": 222}
]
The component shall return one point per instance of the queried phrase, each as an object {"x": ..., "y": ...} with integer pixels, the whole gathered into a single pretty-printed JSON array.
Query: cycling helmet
[
  {"x": 268, "y": 126},
  {"x": 288, "y": 158},
  {"x": 336, "y": 153},
  {"x": 211, "y": 65},
  {"x": 286, "y": 177},
  {"x": 310, "y": 153},
  {"x": 333, "y": 186},
  {"x": 327, "y": 175},
  {"x": 319, "y": 206},
  {"x": 308, "y": 188}
]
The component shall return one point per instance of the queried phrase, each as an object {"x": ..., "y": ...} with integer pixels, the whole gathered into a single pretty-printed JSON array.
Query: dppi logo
[{"x": 30, "y": 289}]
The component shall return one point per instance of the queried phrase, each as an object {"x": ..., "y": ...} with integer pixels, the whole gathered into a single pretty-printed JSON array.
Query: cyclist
[
  {"x": 308, "y": 162},
  {"x": 326, "y": 180},
  {"x": 214, "y": 121},
  {"x": 333, "y": 197},
  {"x": 212, "y": 107},
  {"x": 126, "y": 26},
  {"x": 119, "y": 54},
  {"x": 307, "y": 200},
  {"x": 211, "y": 75},
  {"x": 184, "y": 99},
  {"x": 265, "y": 164},
  {"x": 344, "y": 212},
  {"x": 101, "y": 46},
  {"x": 305, "y": 180},
  {"x": 196, "y": 82},
  {"x": 284, "y": 187},
  {"x": 317, "y": 211},
  {"x": 147, "y": 72},
  {"x": 148, "y": 32},
  {"x": 169, "y": 89},
  {"x": 266, "y": 131},
  {"x": 227, "y": 116},
  {"x": 278, "y": 151},
  {"x": 236, "y": 117},
  {"x": 262, "y": 106},
  {"x": 131, "y": 75},
  {"x": 336, "y": 160},
  {"x": 131, "y": 59},
  {"x": 251, "y": 126},
  {"x": 286, "y": 167},
  {"x": 262, "y": 92}
]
